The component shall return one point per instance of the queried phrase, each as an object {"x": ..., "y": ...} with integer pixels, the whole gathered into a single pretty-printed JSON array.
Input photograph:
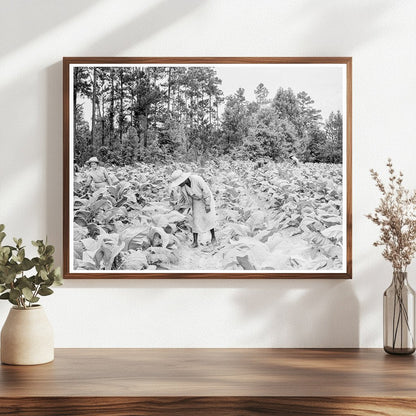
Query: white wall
[{"x": 380, "y": 35}]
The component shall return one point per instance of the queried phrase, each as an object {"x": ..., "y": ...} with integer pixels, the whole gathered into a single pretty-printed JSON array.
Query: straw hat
[
  {"x": 92, "y": 159},
  {"x": 178, "y": 177}
]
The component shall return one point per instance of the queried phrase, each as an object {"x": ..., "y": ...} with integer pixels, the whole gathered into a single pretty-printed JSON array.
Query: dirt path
[
  {"x": 198, "y": 259},
  {"x": 204, "y": 257}
]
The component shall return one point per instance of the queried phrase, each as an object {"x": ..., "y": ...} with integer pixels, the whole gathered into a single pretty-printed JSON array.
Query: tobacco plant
[{"x": 269, "y": 216}]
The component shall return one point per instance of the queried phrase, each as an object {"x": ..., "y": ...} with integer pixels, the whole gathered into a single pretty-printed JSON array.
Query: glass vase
[{"x": 399, "y": 316}]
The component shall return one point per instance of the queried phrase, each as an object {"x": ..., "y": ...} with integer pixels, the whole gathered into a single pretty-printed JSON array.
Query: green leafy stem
[{"x": 23, "y": 280}]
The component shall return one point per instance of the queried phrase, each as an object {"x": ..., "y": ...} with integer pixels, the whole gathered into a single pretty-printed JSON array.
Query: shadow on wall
[
  {"x": 157, "y": 18},
  {"x": 318, "y": 313},
  {"x": 347, "y": 26},
  {"x": 301, "y": 313},
  {"x": 140, "y": 27},
  {"x": 281, "y": 313},
  {"x": 54, "y": 144},
  {"x": 41, "y": 16},
  {"x": 375, "y": 277},
  {"x": 307, "y": 313}
]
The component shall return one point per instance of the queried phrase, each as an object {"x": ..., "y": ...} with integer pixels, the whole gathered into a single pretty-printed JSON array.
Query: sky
[{"x": 325, "y": 83}]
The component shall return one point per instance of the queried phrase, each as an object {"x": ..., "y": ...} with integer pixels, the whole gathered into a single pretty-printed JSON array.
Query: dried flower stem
[{"x": 396, "y": 217}]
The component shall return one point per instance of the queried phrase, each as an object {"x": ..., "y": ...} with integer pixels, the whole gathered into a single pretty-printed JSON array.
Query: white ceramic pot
[{"x": 27, "y": 337}]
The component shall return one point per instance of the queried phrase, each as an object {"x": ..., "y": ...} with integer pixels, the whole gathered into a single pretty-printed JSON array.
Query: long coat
[{"x": 199, "y": 196}]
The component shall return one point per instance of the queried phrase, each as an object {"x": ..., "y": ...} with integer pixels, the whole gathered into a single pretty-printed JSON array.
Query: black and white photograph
[{"x": 229, "y": 169}]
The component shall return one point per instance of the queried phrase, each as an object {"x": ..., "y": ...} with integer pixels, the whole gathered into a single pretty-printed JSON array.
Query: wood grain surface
[
  {"x": 208, "y": 406},
  {"x": 212, "y": 381}
]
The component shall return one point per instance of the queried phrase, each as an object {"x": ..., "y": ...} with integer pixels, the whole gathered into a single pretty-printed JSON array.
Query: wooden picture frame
[{"x": 301, "y": 150}]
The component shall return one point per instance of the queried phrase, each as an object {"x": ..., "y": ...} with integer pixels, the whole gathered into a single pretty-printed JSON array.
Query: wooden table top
[{"x": 214, "y": 372}]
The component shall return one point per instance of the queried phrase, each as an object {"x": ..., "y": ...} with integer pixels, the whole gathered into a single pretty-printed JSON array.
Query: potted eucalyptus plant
[{"x": 27, "y": 336}]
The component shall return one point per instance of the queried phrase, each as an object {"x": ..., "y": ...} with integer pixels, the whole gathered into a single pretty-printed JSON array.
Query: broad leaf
[
  {"x": 45, "y": 291},
  {"x": 245, "y": 263},
  {"x": 27, "y": 293}
]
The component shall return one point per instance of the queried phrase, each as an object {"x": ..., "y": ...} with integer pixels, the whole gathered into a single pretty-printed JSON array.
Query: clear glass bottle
[{"x": 399, "y": 316}]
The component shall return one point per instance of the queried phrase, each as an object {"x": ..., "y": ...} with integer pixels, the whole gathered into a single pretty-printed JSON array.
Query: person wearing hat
[
  {"x": 294, "y": 160},
  {"x": 98, "y": 176},
  {"x": 195, "y": 191}
]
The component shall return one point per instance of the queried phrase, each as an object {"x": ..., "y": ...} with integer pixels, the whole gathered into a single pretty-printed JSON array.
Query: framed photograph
[{"x": 207, "y": 168}]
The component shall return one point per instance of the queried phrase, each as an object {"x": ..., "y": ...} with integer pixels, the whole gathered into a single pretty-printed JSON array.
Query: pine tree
[{"x": 130, "y": 147}]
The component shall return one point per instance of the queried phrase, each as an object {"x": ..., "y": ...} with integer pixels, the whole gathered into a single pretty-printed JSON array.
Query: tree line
[{"x": 160, "y": 113}]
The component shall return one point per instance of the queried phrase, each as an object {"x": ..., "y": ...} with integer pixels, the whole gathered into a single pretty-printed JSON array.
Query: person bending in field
[
  {"x": 97, "y": 177},
  {"x": 195, "y": 191},
  {"x": 295, "y": 160}
]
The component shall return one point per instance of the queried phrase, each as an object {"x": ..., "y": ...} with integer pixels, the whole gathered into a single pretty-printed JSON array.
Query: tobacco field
[{"x": 271, "y": 216}]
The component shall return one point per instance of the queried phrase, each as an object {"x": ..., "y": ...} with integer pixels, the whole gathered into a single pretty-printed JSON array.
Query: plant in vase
[
  {"x": 396, "y": 217},
  {"x": 27, "y": 336}
]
